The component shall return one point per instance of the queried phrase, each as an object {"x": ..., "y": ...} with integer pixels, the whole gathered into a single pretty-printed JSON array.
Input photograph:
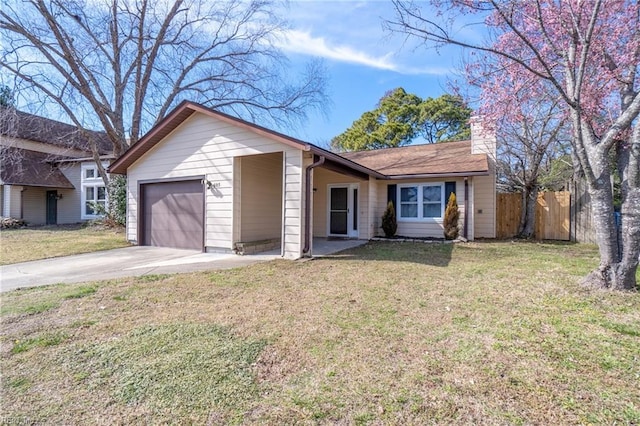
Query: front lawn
[
  {"x": 22, "y": 245},
  {"x": 388, "y": 333}
]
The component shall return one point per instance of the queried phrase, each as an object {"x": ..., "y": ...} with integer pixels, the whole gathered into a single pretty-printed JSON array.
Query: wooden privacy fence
[
  {"x": 553, "y": 213},
  {"x": 508, "y": 212},
  {"x": 553, "y": 216},
  {"x": 582, "y": 229}
]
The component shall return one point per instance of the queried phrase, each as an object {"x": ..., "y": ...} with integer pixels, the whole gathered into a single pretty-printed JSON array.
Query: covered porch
[
  {"x": 341, "y": 204},
  {"x": 322, "y": 246}
]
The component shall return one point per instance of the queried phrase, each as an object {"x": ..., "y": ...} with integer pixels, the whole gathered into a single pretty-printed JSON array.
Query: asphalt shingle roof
[
  {"x": 30, "y": 168},
  {"x": 438, "y": 158},
  {"x": 18, "y": 124}
]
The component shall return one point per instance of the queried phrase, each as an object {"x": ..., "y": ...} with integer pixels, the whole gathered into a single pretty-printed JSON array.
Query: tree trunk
[
  {"x": 528, "y": 217},
  {"x": 629, "y": 172},
  {"x": 630, "y": 235},
  {"x": 618, "y": 252}
]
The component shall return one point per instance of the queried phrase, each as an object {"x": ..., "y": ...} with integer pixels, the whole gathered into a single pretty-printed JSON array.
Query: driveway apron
[{"x": 117, "y": 263}]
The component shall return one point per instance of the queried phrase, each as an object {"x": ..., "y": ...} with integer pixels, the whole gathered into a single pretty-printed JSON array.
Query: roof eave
[
  {"x": 346, "y": 162},
  {"x": 39, "y": 185},
  {"x": 137, "y": 150},
  {"x": 83, "y": 159},
  {"x": 438, "y": 175}
]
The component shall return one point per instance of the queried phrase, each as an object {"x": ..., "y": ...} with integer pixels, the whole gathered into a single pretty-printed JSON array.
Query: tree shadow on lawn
[{"x": 427, "y": 253}]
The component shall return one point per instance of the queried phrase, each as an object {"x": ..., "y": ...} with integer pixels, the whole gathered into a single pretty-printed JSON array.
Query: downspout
[
  {"x": 307, "y": 204},
  {"x": 466, "y": 207}
]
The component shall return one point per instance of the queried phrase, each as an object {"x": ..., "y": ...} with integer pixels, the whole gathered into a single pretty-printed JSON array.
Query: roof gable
[{"x": 176, "y": 117}]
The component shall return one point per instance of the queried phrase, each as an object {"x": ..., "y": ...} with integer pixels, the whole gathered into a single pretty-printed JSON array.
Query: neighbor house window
[
  {"x": 421, "y": 201},
  {"x": 94, "y": 193},
  {"x": 95, "y": 200}
]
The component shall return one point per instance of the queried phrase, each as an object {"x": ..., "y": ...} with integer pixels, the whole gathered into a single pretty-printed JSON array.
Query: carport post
[{"x": 307, "y": 203}]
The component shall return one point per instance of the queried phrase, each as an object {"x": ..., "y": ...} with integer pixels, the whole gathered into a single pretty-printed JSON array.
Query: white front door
[{"x": 343, "y": 210}]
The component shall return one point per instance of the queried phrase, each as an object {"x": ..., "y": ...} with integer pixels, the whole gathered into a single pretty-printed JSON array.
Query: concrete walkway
[
  {"x": 137, "y": 261},
  {"x": 117, "y": 263}
]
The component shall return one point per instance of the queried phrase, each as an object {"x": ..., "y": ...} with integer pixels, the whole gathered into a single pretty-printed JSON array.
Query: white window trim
[
  {"x": 95, "y": 182},
  {"x": 420, "y": 217}
]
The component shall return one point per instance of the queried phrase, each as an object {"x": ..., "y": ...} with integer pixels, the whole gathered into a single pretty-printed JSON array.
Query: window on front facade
[
  {"x": 432, "y": 201},
  {"x": 94, "y": 193},
  {"x": 421, "y": 201},
  {"x": 409, "y": 201},
  {"x": 95, "y": 200}
]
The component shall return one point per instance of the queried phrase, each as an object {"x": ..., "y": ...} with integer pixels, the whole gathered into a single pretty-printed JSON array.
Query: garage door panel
[
  {"x": 174, "y": 214},
  {"x": 172, "y": 239}
]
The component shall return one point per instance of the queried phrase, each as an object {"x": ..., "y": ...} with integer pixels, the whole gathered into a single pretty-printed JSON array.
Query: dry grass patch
[
  {"x": 25, "y": 244},
  {"x": 389, "y": 333}
]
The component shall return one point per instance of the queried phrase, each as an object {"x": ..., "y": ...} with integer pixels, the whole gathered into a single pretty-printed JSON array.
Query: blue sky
[{"x": 363, "y": 60}]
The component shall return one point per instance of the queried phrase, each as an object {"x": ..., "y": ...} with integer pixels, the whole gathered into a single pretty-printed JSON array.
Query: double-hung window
[
  {"x": 432, "y": 200},
  {"x": 94, "y": 193},
  {"x": 424, "y": 201},
  {"x": 409, "y": 202}
]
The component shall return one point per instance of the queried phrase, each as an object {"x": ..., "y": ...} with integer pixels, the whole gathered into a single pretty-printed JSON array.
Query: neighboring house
[
  {"x": 47, "y": 172},
  {"x": 205, "y": 180}
]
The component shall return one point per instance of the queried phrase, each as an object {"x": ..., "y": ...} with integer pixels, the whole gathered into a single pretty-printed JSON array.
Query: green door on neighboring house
[{"x": 52, "y": 207}]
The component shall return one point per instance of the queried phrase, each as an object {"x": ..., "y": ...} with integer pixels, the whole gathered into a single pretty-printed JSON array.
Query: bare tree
[
  {"x": 532, "y": 131},
  {"x": 530, "y": 140},
  {"x": 589, "y": 52},
  {"x": 120, "y": 65}
]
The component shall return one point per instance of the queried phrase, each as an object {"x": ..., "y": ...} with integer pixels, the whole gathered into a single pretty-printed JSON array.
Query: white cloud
[{"x": 302, "y": 42}]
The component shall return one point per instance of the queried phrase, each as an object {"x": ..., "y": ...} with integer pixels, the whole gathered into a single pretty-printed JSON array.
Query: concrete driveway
[{"x": 117, "y": 263}]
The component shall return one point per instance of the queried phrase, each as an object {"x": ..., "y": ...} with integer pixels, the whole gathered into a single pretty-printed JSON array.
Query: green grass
[
  {"x": 175, "y": 369},
  {"x": 43, "y": 341},
  {"x": 38, "y": 300},
  {"x": 32, "y": 301},
  {"x": 22, "y": 245},
  {"x": 80, "y": 292},
  {"x": 389, "y": 333}
]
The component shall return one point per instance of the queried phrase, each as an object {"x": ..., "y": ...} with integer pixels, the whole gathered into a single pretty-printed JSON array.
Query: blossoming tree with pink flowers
[{"x": 588, "y": 53}]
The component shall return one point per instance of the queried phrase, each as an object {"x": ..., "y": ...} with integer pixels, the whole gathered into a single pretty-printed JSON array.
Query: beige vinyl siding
[
  {"x": 12, "y": 201},
  {"x": 69, "y": 207},
  {"x": 322, "y": 178},
  {"x": 417, "y": 228},
  {"x": 260, "y": 206},
  {"x": 34, "y": 205},
  {"x": 203, "y": 145},
  {"x": 373, "y": 219},
  {"x": 484, "y": 213},
  {"x": 293, "y": 226}
]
